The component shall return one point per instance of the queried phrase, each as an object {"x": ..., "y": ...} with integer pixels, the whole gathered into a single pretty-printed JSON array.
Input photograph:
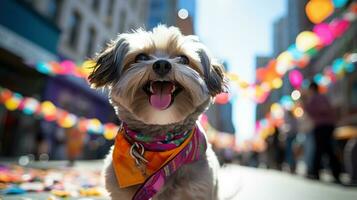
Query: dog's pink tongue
[{"x": 161, "y": 94}]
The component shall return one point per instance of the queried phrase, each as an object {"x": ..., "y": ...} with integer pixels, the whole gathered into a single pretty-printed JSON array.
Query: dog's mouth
[{"x": 161, "y": 94}]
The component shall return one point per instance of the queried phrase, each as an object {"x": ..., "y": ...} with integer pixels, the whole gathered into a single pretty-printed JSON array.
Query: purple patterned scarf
[{"x": 193, "y": 151}]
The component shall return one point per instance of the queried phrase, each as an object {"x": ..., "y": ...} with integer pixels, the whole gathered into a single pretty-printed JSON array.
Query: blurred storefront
[
  {"x": 340, "y": 90},
  {"x": 23, "y": 41},
  {"x": 343, "y": 96},
  {"x": 51, "y": 30},
  {"x": 43, "y": 31}
]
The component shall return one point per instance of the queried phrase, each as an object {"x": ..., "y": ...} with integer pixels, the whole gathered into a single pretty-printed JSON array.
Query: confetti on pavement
[{"x": 51, "y": 183}]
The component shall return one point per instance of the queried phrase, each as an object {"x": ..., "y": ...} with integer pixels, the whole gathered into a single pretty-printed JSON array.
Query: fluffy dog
[{"x": 160, "y": 81}]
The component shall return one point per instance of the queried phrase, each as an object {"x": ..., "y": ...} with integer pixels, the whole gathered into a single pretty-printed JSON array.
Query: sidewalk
[
  {"x": 83, "y": 175},
  {"x": 261, "y": 184},
  {"x": 242, "y": 183}
]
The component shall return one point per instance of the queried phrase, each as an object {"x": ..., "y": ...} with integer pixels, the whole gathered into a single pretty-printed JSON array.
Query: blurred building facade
[
  {"x": 343, "y": 91},
  {"x": 342, "y": 94},
  {"x": 86, "y": 26},
  {"x": 26, "y": 36},
  {"x": 55, "y": 30},
  {"x": 263, "y": 108},
  {"x": 180, "y": 13},
  {"x": 285, "y": 30},
  {"x": 162, "y": 12},
  {"x": 220, "y": 115},
  {"x": 296, "y": 19},
  {"x": 49, "y": 30},
  {"x": 185, "y": 16},
  {"x": 281, "y": 39}
]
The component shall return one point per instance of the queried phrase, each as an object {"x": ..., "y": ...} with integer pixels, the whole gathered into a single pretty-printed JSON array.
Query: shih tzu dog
[{"x": 159, "y": 82}]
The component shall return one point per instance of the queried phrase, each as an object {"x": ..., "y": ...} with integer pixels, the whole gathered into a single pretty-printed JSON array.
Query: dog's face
[{"x": 159, "y": 77}]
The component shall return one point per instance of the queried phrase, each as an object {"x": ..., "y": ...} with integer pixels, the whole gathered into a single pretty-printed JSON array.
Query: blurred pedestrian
[
  {"x": 275, "y": 150},
  {"x": 305, "y": 126},
  {"x": 322, "y": 114},
  {"x": 290, "y": 128},
  {"x": 350, "y": 156},
  {"x": 74, "y": 144}
]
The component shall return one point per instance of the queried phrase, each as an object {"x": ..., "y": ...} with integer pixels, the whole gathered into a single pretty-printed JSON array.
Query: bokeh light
[
  {"x": 339, "y": 26},
  {"x": 30, "y": 105},
  {"x": 87, "y": 67},
  {"x": 298, "y": 112},
  {"x": 295, "y": 78},
  {"x": 295, "y": 95},
  {"x": 13, "y": 102},
  {"x": 222, "y": 98},
  {"x": 339, "y": 3},
  {"x": 183, "y": 13},
  {"x": 110, "y": 131},
  {"x": 277, "y": 83},
  {"x": 324, "y": 32},
  {"x": 48, "y": 110},
  {"x": 318, "y": 10},
  {"x": 284, "y": 62},
  {"x": 306, "y": 40},
  {"x": 277, "y": 111},
  {"x": 287, "y": 102}
]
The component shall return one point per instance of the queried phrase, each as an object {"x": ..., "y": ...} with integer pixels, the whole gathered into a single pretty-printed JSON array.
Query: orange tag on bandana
[{"x": 126, "y": 170}]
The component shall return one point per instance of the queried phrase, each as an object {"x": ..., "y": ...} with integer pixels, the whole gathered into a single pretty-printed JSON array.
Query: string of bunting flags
[
  {"x": 269, "y": 77},
  {"x": 317, "y": 11},
  {"x": 46, "y": 110},
  {"x": 66, "y": 67},
  {"x": 339, "y": 68},
  {"x": 298, "y": 55}
]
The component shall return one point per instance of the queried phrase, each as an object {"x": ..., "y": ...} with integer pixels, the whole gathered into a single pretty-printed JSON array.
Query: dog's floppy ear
[
  {"x": 109, "y": 62},
  {"x": 213, "y": 73}
]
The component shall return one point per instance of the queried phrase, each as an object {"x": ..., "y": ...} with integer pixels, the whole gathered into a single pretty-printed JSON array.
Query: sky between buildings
[{"x": 237, "y": 31}]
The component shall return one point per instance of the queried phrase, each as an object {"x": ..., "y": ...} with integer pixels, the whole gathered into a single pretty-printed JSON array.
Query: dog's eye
[
  {"x": 184, "y": 60},
  {"x": 142, "y": 57}
]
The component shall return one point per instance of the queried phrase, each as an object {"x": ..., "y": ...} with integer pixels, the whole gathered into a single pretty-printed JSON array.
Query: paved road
[
  {"x": 260, "y": 184},
  {"x": 242, "y": 183}
]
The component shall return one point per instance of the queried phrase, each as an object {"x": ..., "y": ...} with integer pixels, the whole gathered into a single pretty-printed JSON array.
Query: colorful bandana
[
  {"x": 138, "y": 159},
  {"x": 166, "y": 142}
]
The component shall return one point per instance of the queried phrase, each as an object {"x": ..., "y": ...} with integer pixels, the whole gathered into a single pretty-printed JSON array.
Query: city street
[
  {"x": 268, "y": 85},
  {"x": 258, "y": 184},
  {"x": 244, "y": 183}
]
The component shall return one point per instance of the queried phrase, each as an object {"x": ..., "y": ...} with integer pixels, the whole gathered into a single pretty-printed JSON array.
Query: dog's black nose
[{"x": 161, "y": 67}]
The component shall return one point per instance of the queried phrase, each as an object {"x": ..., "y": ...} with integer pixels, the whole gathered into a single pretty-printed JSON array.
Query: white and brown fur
[{"x": 201, "y": 79}]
